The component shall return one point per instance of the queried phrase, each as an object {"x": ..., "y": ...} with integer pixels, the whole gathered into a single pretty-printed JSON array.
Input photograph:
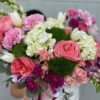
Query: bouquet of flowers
[{"x": 58, "y": 51}]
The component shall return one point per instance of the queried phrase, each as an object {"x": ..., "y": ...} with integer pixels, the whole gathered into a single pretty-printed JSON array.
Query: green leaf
[
  {"x": 32, "y": 95},
  {"x": 96, "y": 83},
  {"x": 8, "y": 70},
  {"x": 62, "y": 66},
  {"x": 21, "y": 85},
  {"x": 58, "y": 34},
  {"x": 98, "y": 88},
  {"x": 19, "y": 49},
  {"x": 8, "y": 81}
]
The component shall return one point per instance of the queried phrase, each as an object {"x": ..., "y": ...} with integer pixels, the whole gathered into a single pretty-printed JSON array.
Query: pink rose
[
  {"x": 78, "y": 81},
  {"x": 78, "y": 71},
  {"x": 67, "y": 49},
  {"x": 22, "y": 66},
  {"x": 84, "y": 73},
  {"x": 32, "y": 20},
  {"x": 84, "y": 79},
  {"x": 68, "y": 29},
  {"x": 1, "y": 39},
  {"x": 6, "y": 24},
  {"x": 83, "y": 26},
  {"x": 72, "y": 12},
  {"x": 69, "y": 80},
  {"x": 44, "y": 55}
]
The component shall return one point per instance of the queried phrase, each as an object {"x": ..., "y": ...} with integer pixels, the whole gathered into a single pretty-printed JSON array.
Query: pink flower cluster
[
  {"x": 80, "y": 19},
  {"x": 78, "y": 76},
  {"x": 12, "y": 37},
  {"x": 32, "y": 20}
]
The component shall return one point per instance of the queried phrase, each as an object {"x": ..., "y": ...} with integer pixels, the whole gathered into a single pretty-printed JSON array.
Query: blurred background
[{"x": 51, "y": 8}]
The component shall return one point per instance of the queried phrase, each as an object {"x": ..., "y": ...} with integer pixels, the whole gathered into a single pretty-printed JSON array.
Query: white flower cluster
[
  {"x": 87, "y": 47},
  {"x": 38, "y": 39}
]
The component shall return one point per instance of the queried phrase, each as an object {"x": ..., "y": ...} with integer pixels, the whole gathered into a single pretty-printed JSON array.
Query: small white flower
[
  {"x": 7, "y": 57},
  {"x": 61, "y": 17},
  {"x": 77, "y": 34}
]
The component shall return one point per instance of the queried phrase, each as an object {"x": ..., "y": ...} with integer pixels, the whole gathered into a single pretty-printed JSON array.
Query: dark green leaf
[
  {"x": 7, "y": 84},
  {"x": 32, "y": 95},
  {"x": 58, "y": 34},
  {"x": 97, "y": 88},
  {"x": 21, "y": 85},
  {"x": 61, "y": 66},
  {"x": 19, "y": 49},
  {"x": 8, "y": 81},
  {"x": 8, "y": 69}
]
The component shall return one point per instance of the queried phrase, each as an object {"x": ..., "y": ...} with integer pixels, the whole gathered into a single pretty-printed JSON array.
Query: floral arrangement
[{"x": 33, "y": 50}]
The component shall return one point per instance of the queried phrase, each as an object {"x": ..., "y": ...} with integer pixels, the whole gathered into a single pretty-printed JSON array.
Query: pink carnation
[
  {"x": 32, "y": 20},
  {"x": 12, "y": 37}
]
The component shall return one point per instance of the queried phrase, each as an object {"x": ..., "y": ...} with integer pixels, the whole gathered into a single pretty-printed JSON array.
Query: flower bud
[
  {"x": 7, "y": 57},
  {"x": 16, "y": 19}
]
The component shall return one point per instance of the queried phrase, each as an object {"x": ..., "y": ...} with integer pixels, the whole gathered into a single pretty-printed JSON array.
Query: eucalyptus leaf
[{"x": 32, "y": 95}]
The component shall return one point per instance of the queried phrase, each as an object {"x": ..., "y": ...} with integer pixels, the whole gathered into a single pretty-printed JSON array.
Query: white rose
[
  {"x": 77, "y": 34},
  {"x": 61, "y": 17},
  {"x": 7, "y": 57},
  {"x": 16, "y": 19}
]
